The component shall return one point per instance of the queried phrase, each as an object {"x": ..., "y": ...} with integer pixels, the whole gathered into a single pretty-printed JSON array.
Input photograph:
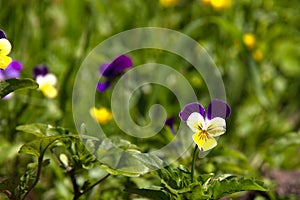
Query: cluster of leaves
[{"x": 176, "y": 184}]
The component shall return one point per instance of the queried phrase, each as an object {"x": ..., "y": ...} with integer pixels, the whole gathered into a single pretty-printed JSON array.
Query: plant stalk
[{"x": 195, "y": 153}]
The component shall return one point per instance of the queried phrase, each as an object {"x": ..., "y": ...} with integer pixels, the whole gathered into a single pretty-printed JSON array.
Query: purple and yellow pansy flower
[
  {"x": 47, "y": 81},
  {"x": 5, "y": 48},
  {"x": 206, "y": 125},
  {"x": 12, "y": 70}
]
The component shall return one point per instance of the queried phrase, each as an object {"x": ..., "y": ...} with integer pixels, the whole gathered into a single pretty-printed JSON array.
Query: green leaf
[
  {"x": 41, "y": 130},
  {"x": 38, "y": 147},
  {"x": 223, "y": 186},
  {"x": 197, "y": 192},
  {"x": 158, "y": 194},
  {"x": 168, "y": 177},
  {"x": 120, "y": 157},
  {"x": 119, "y": 162},
  {"x": 9, "y": 85},
  {"x": 38, "y": 130}
]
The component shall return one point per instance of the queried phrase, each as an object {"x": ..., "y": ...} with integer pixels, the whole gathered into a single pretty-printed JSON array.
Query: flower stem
[
  {"x": 193, "y": 162},
  {"x": 77, "y": 192},
  {"x": 38, "y": 174},
  {"x": 92, "y": 186}
]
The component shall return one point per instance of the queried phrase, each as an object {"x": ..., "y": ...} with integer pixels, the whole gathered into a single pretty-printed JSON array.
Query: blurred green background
[{"x": 261, "y": 74}]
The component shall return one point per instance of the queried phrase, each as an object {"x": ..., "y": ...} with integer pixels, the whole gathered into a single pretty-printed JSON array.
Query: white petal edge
[
  {"x": 51, "y": 79},
  {"x": 48, "y": 79},
  {"x": 216, "y": 126},
  {"x": 40, "y": 80},
  {"x": 195, "y": 120},
  {"x": 6, "y": 47}
]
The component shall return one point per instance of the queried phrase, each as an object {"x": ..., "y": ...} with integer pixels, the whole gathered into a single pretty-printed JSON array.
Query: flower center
[
  {"x": 201, "y": 127},
  {"x": 202, "y": 135}
]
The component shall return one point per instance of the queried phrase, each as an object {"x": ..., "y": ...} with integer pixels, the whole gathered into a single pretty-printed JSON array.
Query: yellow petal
[
  {"x": 216, "y": 126},
  {"x": 196, "y": 122},
  {"x": 101, "y": 115},
  {"x": 5, "y": 47},
  {"x": 4, "y": 61},
  {"x": 220, "y": 4},
  {"x": 48, "y": 90},
  {"x": 204, "y": 141}
]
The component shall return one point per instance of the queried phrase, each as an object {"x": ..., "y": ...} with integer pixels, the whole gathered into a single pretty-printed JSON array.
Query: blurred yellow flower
[
  {"x": 257, "y": 55},
  {"x": 46, "y": 85},
  {"x": 168, "y": 3},
  {"x": 5, "y": 48},
  {"x": 220, "y": 4},
  {"x": 101, "y": 115},
  {"x": 249, "y": 40}
]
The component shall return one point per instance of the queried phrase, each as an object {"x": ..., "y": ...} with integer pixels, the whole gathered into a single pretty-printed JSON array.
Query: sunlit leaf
[
  {"x": 120, "y": 157},
  {"x": 221, "y": 187},
  {"x": 9, "y": 85},
  {"x": 41, "y": 130},
  {"x": 38, "y": 147}
]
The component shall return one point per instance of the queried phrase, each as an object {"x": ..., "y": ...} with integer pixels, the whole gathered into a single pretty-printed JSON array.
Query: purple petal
[
  {"x": 2, "y": 34},
  {"x": 12, "y": 70},
  {"x": 116, "y": 66},
  {"x": 2, "y": 76},
  {"x": 16, "y": 65},
  {"x": 40, "y": 70},
  {"x": 170, "y": 123},
  {"x": 103, "y": 67},
  {"x": 218, "y": 108},
  {"x": 102, "y": 86},
  {"x": 191, "y": 108}
]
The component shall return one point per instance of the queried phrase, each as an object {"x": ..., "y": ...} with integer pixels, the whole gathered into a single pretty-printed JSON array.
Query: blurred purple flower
[
  {"x": 12, "y": 71},
  {"x": 40, "y": 70},
  {"x": 170, "y": 123},
  {"x": 112, "y": 70},
  {"x": 102, "y": 86},
  {"x": 2, "y": 34}
]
